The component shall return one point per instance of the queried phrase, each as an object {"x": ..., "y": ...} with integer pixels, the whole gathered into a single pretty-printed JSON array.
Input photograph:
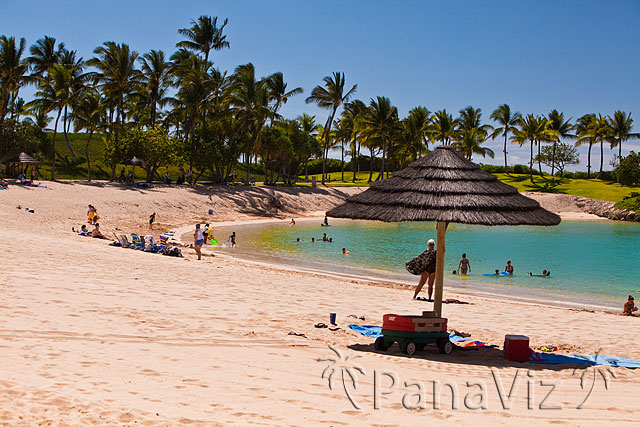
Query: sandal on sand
[
  {"x": 297, "y": 335},
  {"x": 335, "y": 329},
  {"x": 422, "y": 299},
  {"x": 320, "y": 325}
]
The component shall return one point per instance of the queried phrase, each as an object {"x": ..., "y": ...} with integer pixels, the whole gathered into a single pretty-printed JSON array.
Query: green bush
[
  {"x": 628, "y": 171},
  {"x": 631, "y": 202}
]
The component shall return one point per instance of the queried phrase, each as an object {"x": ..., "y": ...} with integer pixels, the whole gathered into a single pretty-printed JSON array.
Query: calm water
[{"x": 591, "y": 262}]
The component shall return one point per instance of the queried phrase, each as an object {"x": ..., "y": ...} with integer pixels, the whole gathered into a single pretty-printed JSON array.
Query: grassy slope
[{"x": 77, "y": 169}]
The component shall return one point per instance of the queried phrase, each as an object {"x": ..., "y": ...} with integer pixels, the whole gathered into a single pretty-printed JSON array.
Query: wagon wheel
[
  {"x": 445, "y": 346},
  {"x": 380, "y": 344},
  {"x": 409, "y": 347}
]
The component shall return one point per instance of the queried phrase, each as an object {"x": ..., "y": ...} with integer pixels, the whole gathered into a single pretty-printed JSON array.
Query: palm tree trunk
[
  {"x": 327, "y": 131},
  {"x": 553, "y": 159},
  {"x": 539, "y": 163},
  {"x": 531, "y": 162},
  {"x": 86, "y": 154},
  {"x": 504, "y": 150},
  {"x": 620, "y": 150},
  {"x": 589, "y": 161},
  {"x": 53, "y": 146},
  {"x": 342, "y": 148},
  {"x": 370, "y": 165},
  {"x": 381, "y": 174},
  {"x": 601, "y": 159},
  {"x": 64, "y": 128}
]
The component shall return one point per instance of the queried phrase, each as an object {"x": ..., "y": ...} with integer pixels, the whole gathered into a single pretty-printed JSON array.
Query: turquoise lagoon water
[{"x": 591, "y": 262}]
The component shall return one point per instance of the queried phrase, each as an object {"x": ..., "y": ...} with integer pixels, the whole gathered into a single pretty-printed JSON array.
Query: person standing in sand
[
  {"x": 232, "y": 239},
  {"x": 508, "y": 268},
  {"x": 152, "y": 219},
  {"x": 429, "y": 274},
  {"x": 464, "y": 265},
  {"x": 198, "y": 240}
]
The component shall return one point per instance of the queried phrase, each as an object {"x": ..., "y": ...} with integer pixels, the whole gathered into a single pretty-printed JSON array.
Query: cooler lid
[{"x": 516, "y": 337}]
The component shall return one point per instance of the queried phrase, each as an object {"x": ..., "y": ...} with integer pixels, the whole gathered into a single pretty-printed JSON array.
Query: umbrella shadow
[{"x": 476, "y": 356}]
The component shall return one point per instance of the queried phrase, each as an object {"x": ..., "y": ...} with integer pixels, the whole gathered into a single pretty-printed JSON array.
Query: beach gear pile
[
  {"x": 140, "y": 243},
  {"x": 376, "y": 331}
]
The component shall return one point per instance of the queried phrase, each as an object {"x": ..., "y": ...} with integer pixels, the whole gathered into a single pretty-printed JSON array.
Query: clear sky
[{"x": 577, "y": 56}]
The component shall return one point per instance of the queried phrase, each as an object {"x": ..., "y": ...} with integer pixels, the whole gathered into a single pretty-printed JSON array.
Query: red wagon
[{"x": 413, "y": 333}]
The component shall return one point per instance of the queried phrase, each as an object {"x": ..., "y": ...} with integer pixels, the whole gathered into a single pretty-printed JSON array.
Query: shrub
[
  {"x": 628, "y": 171},
  {"x": 631, "y": 202}
]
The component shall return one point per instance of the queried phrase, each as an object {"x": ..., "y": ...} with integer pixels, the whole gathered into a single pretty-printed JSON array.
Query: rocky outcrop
[{"x": 560, "y": 203}]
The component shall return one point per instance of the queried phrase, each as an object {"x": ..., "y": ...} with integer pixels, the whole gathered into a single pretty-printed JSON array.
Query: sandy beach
[{"x": 98, "y": 335}]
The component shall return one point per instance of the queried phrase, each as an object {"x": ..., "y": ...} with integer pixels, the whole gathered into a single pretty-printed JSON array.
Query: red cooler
[{"x": 516, "y": 348}]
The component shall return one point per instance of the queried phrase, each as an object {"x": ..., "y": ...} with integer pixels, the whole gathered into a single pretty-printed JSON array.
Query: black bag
[{"x": 423, "y": 262}]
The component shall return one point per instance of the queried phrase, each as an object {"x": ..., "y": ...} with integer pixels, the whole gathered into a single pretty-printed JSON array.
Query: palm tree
[
  {"x": 76, "y": 85},
  {"x": 278, "y": 91},
  {"x": 558, "y": 127},
  {"x": 116, "y": 77},
  {"x": 585, "y": 136},
  {"x": 203, "y": 36},
  {"x": 13, "y": 74},
  {"x": 380, "y": 122},
  {"x": 534, "y": 129},
  {"x": 468, "y": 142},
  {"x": 54, "y": 93},
  {"x": 620, "y": 126},
  {"x": 330, "y": 97},
  {"x": 250, "y": 98},
  {"x": 355, "y": 109},
  {"x": 414, "y": 134},
  {"x": 155, "y": 69},
  {"x": 44, "y": 55},
  {"x": 601, "y": 132},
  {"x": 508, "y": 122},
  {"x": 444, "y": 127},
  {"x": 88, "y": 115}
]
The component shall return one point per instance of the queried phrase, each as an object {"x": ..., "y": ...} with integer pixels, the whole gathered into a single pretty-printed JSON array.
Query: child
[{"x": 152, "y": 219}]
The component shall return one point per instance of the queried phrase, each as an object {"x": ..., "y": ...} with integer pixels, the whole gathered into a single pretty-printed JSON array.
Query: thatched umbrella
[
  {"x": 444, "y": 187},
  {"x": 23, "y": 158},
  {"x": 134, "y": 161}
]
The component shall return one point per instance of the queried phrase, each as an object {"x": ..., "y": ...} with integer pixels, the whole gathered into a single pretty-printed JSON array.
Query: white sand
[{"x": 92, "y": 334}]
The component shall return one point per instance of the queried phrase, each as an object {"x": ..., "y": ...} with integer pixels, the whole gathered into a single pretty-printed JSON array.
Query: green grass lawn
[
  {"x": 76, "y": 168},
  {"x": 593, "y": 188}
]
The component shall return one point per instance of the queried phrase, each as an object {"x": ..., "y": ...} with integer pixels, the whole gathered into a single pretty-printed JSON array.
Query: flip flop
[
  {"x": 320, "y": 325},
  {"x": 297, "y": 335},
  {"x": 422, "y": 299},
  {"x": 335, "y": 329}
]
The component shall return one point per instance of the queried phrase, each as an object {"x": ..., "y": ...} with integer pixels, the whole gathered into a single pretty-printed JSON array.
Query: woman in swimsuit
[
  {"x": 429, "y": 273},
  {"x": 464, "y": 265},
  {"x": 198, "y": 238}
]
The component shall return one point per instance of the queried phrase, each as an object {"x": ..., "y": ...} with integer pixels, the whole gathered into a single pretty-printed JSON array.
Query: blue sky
[{"x": 576, "y": 56}]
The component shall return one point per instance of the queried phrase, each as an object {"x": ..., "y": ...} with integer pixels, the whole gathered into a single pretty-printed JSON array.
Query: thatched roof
[
  {"x": 22, "y": 158},
  {"x": 134, "y": 161},
  {"x": 444, "y": 186}
]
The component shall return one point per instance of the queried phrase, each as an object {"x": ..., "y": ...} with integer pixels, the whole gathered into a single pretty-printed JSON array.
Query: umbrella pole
[{"x": 441, "y": 229}]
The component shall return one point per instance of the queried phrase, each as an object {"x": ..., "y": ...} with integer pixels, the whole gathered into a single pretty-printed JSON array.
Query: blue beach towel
[
  {"x": 367, "y": 330},
  {"x": 590, "y": 359}
]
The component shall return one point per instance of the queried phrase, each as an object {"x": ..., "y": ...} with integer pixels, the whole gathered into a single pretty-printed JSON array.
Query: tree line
[{"x": 180, "y": 108}]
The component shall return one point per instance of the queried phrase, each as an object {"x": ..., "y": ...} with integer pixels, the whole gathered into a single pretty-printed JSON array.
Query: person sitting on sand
[
  {"x": 84, "y": 231},
  {"x": 429, "y": 274},
  {"x": 4, "y": 184},
  {"x": 508, "y": 268},
  {"x": 198, "y": 240},
  {"x": 629, "y": 307},
  {"x": 96, "y": 234},
  {"x": 464, "y": 265}
]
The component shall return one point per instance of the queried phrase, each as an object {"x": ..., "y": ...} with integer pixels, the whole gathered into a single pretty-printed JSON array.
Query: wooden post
[{"x": 441, "y": 229}]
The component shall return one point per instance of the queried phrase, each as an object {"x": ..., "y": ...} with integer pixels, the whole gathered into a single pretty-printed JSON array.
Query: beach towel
[
  {"x": 367, "y": 330},
  {"x": 579, "y": 359}
]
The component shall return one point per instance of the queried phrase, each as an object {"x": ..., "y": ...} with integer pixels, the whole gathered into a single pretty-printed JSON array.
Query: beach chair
[
  {"x": 125, "y": 242},
  {"x": 137, "y": 241},
  {"x": 164, "y": 243}
]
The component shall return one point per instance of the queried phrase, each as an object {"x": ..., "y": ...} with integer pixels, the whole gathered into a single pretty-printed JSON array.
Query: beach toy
[
  {"x": 214, "y": 242},
  {"x": 504, "y": 273},
  {"x": 332, "y": 318}
]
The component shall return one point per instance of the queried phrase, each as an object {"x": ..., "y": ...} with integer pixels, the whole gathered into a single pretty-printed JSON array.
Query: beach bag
[{"x": 420, "y": 263}]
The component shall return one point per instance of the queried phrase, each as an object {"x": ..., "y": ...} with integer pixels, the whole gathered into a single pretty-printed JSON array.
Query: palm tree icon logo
[
  {"x": 348, "y": 372},
  {"x": 604, "y": 372}
]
